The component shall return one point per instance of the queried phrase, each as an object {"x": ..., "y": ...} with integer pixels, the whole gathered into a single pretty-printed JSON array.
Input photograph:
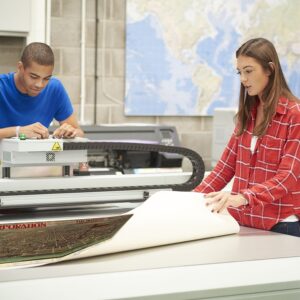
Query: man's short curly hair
[{"x": 39, "y": 53}]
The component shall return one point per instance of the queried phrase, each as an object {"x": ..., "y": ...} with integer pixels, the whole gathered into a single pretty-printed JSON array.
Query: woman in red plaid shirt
[{"x": 263, "y": 153}]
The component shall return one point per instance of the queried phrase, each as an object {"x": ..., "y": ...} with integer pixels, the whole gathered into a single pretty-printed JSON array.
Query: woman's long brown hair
[{"x": 264, "y": 52}]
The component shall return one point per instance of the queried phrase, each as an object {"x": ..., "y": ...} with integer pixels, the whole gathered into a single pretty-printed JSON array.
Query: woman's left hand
[{"x": 221, "y": 200}]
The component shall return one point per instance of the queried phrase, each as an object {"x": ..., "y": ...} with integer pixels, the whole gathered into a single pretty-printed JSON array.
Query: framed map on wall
[{"x": 180, "y": 54}]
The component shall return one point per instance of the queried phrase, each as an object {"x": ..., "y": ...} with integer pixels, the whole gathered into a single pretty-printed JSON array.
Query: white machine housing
[
  {"x": 19, "y": 153},
  {"x": 15, "y": 152}
]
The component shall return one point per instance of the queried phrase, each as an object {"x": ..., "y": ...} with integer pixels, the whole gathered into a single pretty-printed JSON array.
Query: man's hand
[
  {"x": 35, "y": 130},
  {"x": 66, "y": 131},
  {"x": 221, "y": 200}
]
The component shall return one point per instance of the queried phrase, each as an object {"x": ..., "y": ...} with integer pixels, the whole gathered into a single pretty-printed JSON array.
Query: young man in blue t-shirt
[{"x": 31, "y": 98}]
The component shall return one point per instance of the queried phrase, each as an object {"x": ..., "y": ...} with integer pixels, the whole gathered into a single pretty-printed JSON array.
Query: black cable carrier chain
[{"x": 194, "y": 157}]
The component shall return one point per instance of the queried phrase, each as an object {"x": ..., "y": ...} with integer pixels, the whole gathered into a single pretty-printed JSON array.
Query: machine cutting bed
[{"x": 70, "y": 190}]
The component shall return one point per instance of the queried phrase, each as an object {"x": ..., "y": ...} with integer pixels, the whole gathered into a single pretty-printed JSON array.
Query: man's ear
[{"x": 20, "y": 66}]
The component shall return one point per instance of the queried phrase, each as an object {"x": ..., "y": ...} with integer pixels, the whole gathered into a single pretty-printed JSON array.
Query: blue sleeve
[{"x": 64, "y": 105}]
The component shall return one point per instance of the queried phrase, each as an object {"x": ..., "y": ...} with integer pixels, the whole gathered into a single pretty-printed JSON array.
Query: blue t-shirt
[{"x": 21, "y": 109}]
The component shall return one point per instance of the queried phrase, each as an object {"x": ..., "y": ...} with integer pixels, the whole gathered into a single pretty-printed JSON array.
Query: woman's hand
[{"x": 221, "y": 200}]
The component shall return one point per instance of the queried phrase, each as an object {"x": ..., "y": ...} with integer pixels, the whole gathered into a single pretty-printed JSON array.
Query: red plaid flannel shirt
[{"x": 270, "y": 177}]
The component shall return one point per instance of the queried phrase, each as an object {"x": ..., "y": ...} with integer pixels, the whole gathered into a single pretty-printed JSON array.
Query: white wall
[
  {"x": 15, "y": 17},
  {"x": 24, "y": 18}
]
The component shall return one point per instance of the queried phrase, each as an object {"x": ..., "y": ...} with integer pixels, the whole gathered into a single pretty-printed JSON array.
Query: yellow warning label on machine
[{"x": 56, "y": 147}]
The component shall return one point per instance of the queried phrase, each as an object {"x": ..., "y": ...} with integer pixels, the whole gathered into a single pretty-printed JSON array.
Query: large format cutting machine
[{"x": 69, "y": 189}]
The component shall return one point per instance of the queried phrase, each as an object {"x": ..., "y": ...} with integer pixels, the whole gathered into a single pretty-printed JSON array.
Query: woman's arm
[{"x": 223, "y": 171}]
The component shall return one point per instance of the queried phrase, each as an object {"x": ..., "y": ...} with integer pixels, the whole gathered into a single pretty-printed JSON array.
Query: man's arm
[
  {"x": 8, "y": 132},
  {"x": 36, "y": 130},
  {"x": 69, "y": 128}
]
